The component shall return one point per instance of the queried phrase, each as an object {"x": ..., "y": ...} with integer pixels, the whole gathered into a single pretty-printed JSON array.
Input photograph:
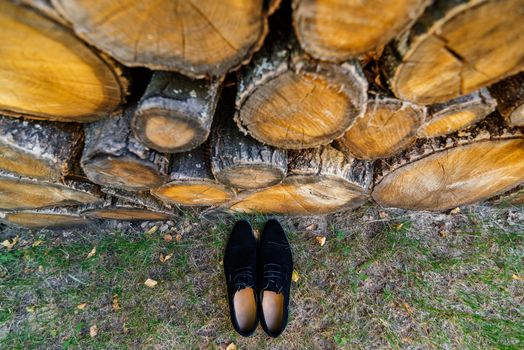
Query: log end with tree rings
[
  {"x": 388, "y": 126},
  {"x": 339, "y": 30},
  {"x": 48, "y": 73},
  {"x": 24, "y": 193},
  {"x": 305, "y": 107},
  {"x": 455, "y": 48},
  {"x": 457, "y": 114},
  {"x": 196, "y": 38},
  {"x": 444, "y": 173},
  {"x": 55, "y": 218}
]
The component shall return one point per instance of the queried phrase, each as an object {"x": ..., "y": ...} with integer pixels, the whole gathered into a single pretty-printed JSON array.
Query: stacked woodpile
[{"x": 130, "y": 110}]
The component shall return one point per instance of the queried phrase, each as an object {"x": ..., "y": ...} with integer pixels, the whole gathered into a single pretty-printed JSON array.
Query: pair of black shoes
[{"x": 258, "y": 278}]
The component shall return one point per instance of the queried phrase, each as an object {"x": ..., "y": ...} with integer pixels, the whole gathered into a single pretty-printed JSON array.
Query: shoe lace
[
  {"x": 243, "y": 277},
  {"x": 273, "y": 276}
]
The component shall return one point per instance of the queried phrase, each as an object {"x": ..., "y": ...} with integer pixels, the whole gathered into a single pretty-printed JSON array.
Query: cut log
[
  {"x": 175, "y": 113},
  {"x": 447, "y": 172},
  {"x": 119, "y": 209},
  {"x": 320, "y": 181},
  {"x": 191, "y": 182},
  {"x": 18, "y": 193},
  {"x": 142, "y": 198},
  {"x": 456, "y": 47},
  {"x": 238, "y": 160},
  {"x": 114, "y": 157},
  {"x": 341, "y": 29},
  {"x": 509, "y": 94},
  {"x": 40, "y": 150},
  {"x": 52, "y": 218},
  {"x": 48, "y": 73},
  {"x": 196, "y": 38},
  {"x": 388, "y": 126},
  {"x": 457, "y": 114},
  {"x": 288, "y": 100}
]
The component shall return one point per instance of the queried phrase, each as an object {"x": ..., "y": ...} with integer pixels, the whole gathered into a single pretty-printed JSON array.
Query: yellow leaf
[
  {"x": 37, "y": 243},
  {"x": 231, "y": 346},
  {"x": 455, "y": 211},
  {"x": 321, "y": 240},
  {"x": 517, "y": 277},
  {"x": 152, "y": 230},
  {"x": 10, "y": 244},
  {"x": 151, "y": 283},
  {"x": 81, "y": 306},
  {"x": 93, "y": 331},
  {"x": 311, "y": 227},
  {"x": 30, "y": 309},
  {"x": 115, "y": 304},
  {"x": 91, "y": 253},
  {"x": 408, "y": 308},
  {"x": 165, "y": 258},
  {"x": 168, "y": 237},
  {"x": 295, "y": 276},
  {"x": 398, "y": 227}
]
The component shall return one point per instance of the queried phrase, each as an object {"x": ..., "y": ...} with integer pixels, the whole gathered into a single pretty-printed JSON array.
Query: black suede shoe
[
  {"x": 240, "y": 267},
  {"x": 274, "y": 278}
]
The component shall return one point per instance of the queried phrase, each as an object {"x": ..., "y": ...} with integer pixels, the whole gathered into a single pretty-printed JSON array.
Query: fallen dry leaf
[
  {"x": 163, "y": 258},
  {"x": 295, "y": 276},
  {"x": 178, "y": 237},
  {"x": 93, "y": 331},
  {"x": 311, "y": 227},
  {"x": 151, "y": 283},
  {"x": 231, "y": 346},
  {"x": 115, "y": 304},
  {"x": 455, "y": 211},
  {"x": 168, "y": 237},
  {"x": 36, "y": 243},
  {"x": 443, "y": 233},
  {"x": 10, "y": 244},
  {"x": 91, "y": 253},
  {"x": 321, "y": 240},
  {"x": 152, "y": 230},
  {"x": 30, "y": 309},
  {"x": 517, "y": 277},
  {"x": 398, "y": 227},
  {"x": 81, "y": 306},
  {"x": 408, "y": 308}
]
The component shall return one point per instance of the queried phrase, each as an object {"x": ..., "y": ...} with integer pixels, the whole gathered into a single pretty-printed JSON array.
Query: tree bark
[
  {"x": 436, "y": 61},
  {"x": 197, "y": 39},
  {"x": 509, "y": 94},
  {"x": 341, "y": 29},
  {"x": 175, "y": 113},
  {"x": 288, "y": 100},
  {"x": 48, "y": 73},
  {"x": 41, "y": 150},
  {"x": 191, "y": 182},
  {"x": 514, "y": 197},
  {"x": 18, "y": 193},
  {"x": 388, "y": 127},
  {"x": 457, "y": 114},
  {"x": 462, "y": 168},
  {"x": 50, "y": 218},
  {"x": 114, "y": 157},
  {"x": 320, "y": 181},
  {"x": 238, "y": 160},
  {"x": 113, "y": 208}
]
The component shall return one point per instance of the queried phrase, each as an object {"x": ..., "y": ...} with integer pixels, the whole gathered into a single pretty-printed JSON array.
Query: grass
[{"x": 389, "y": 281}]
